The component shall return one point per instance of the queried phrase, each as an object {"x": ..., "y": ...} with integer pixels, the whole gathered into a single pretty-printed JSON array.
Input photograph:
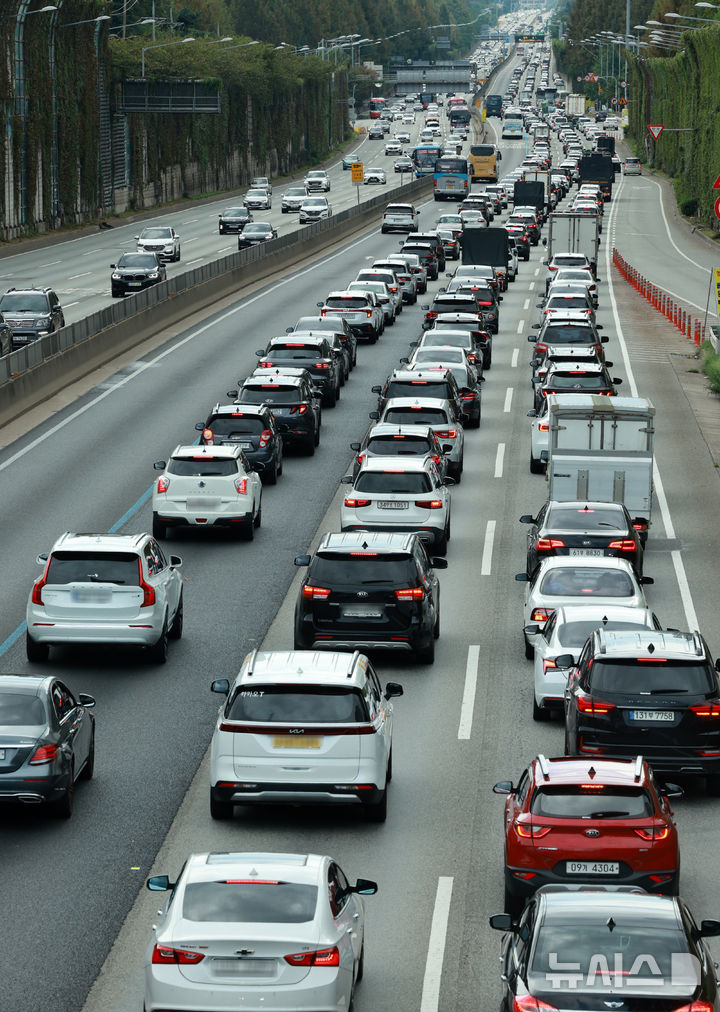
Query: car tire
[
  {"x": 361, "y": 964},
  {"x": 529, "y": 650},
  {"x": 440, "y": 546},
  {"x": 115, "y": 293},
  {"x": 475, "y": 423},
  {"x": 310, "y": 445},
  {"x": 712, "y": 786},
  {"x": 487, "y": 360},
  {"x": 540, "y": 713},
  {"x": 176, "y": 629},
  {"x": 280, "y": 466},
  {"x": 176, "y": 258},
  {"x": 270, "y": 476},
  {"x": 377, "y": 812},
  {"x": 383, "y": 231},
  {"x": 512, "y": 904},
  {"x": 159, "y": 529},
  {"x": 220, "y": 810},
  {"x": 283, "y": 210},
  {"x": 536, "y": 466},
  {"x": 36, "y": 652},
  {"x": 258, "y": 517},
  {"x": 63, "y": 808},
  {"x": 247, "y": 531},
  {"x": 330, "y": 398},
  {"x": 566, "y": 745},
  {"x": 426, "y": 655},
  {"x": 86, "y": 773},
  {"x": 158, "y": 651}
]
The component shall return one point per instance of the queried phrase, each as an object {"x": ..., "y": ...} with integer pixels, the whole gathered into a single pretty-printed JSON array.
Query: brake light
[
  {"x": 624, "y": 545},
  {"x": 430, "y": 315},
  {"x": 541, "y": 347},
  {"x": 265, "y": 437},
  {"x": 208, "y": 438},
  {"x": 532, "y": 832},
  {"x": 547, "y": 544},
  {"x": 163, "y": 954},
  {"x": 241, "y": 486},
  {"x": 368, "y": 313},
  {"x": 322, "y": 365},
  {"x": 316, "y": 593},
  {"x": 594, "y": 706},
  {"x": 410, "y": 594},
  {"x": 549, "y": 665},
  {"x": 266, "y": 364},
  {"x": 163, "y": 484},
  {"x": 652, "y": 833},
  {"x": 43, "y": 755},
  {"x": 696, "y": 1006},
  {"x": 467, "y": 397},
  {"x": 530, "y": 1004},
  {"x": 447, "y": 433},
  {"x": 356, "y": 503},
  {"x": 429, "y": 504},
  {"x": 320, "y": 957},
  {"x": 710, "y": 709},
  {"x": 543, "y": 427},
  {"x": 298, "y": 409},
  {"x": 541, "y": 614},
  {"x": 37, "y": 589},
  {"x": 148, "y": 592}
]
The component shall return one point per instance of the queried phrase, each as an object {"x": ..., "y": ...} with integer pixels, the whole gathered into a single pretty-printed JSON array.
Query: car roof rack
[
  {"x": 638, "y": 768},
  {"x": 544, "y": 766}
]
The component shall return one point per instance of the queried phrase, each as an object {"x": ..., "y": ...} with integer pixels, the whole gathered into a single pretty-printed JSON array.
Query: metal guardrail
[{"x": 37, "y": 352}]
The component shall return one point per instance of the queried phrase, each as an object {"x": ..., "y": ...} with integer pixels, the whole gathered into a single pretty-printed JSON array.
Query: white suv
[
  {"x": 105, "y": 588},
  {"x": 207, "y": 486},
  {"x": 303, "y": 727},
  {"x": 317, "y": 179},
  {"x": 160, "y": 239}
]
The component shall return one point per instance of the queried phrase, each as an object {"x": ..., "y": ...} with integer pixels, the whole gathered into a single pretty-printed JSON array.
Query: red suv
[{"x": 588, "y": 820}]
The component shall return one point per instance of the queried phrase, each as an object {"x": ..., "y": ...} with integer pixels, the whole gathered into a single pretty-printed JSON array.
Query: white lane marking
[
  {"x": 193, "y": 238},
  {"x": 85, "y": 274},
  {"x": 537, "y": 271},
  {"x": 514, "y": 360},
  {"x": 486, "y": 565},
  {"x": 499, "y": 460},
  {"x": 51, "y": 264},
  {"x": 66, "y": 305},
  {"x": 667, "y": 229},
  {"x": 198, "y": 260},
  {"x": 150, "y": 363},
  {"x": 521, "y": 326},
  {"x": 531, "y": 286},
  {"x": 508, "y": 400},
  {"x": 90, "y": 252},
  {"x": 225, "y": 249},
  {"x": 691, "y": 620},
  {"x": 468, "y": 701},
  {"x": 189, "y": 222},
  {"x": 430, "y": 1001},
  {"x": 526, "y": 304}
]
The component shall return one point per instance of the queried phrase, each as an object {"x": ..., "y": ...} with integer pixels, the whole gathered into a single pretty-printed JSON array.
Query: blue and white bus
[
  {"x": 424, "y": 157},
  {"x": 451, "y": 179},
  {"x": 512, "y": 126}
]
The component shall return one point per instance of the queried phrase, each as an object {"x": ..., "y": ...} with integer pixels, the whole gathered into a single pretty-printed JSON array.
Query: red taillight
[
  {"x": 266, "y": 364},
  {"x": 446, "y": 433},
  {"x": 652, "y": 833},
  {"x": 543, "y": 427},
  {"x": 530, "y": 1004},
  {"x": 356, "y": 503},
  {"x": 208, "y": 437},
  {"x": 623, "y": 545},
  {"x": 594, "y": 706},
  {"x": 696, "y": 1006},
  {"x": 368, "y": 313},
  {"x": 549, "y": 665},
  {"x": 322, "y": 365},
  {"x": 541, "y": 614},
  {"x": 429, "y": 504},
  {"x": 430, "y": 315},
  {"x": 241, "y": 486},
  {"x": 532, "y": 832},
  {"x": 163, "y": 483},
  {"x": 410, "y": 594},
  {"x": 541, "y": 347},
  {"x": 298, "y": 409},
  {"x": 709, "y": 709},
  {"x": 44, "y": 755},
  {"x": 547, "y": 544},
  {"x": 183, "y": 957},
  {"x": 37, "y": 589},
  {"x": 148, "y": 592},
  {"x": 320, "y": 957},
  {"x": 316, "y": 593},
  {"x": 265, "y": 437}
]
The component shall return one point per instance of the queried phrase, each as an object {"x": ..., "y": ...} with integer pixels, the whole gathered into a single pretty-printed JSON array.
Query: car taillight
[
  {"x": 368, "y": 313},
  {"x": 298, "y": 409},
  {"x": 429, "y": 504},
  {"x": 549, "y": 665},
  {"x": 543, "y": 427},
  {"x": 468, "y": 397},
  {"x": 320, "y": 957},
  {"x": 541, "y": 614},
  {"x": 322, "y": 365},
  {"x": 447, "y": 434},
  {"x": 208, "y": 438},
  {"x": 709, "y": 709},
  {"x": 652, "y": 833},
  {"x": 184, "y": 957},
  {"x": 696, "y": 1006},
  {"x": 43, "y": 755},
  {"x": 429, "y": 315},
  {"x": 148, "y": 592},
  {"x": 266, "y": 364},
  {"x": 163, "y": 484},
  {"x": 623, "y": 545},
  {"x": 356, "y": 503},
  {"x": 410, "y": 594},
  {"x": 594, "y": 706},
  {"x": 547, "y": 544},
  {"x": 265, "y": 437},
  {"x": 541, "y": 347},
  {"x": 241, "y": 486},
  {"x": 37, "y": 589},
  {"x": 530, "y": 1004},
  {"x": 532, "y": 832},
  {"x": 316, "y": 593}
]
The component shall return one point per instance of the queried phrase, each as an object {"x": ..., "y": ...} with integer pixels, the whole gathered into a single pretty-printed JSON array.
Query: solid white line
[
  {"x": 521, "y": 326},
  {"x": 680, "y": 573},
  {"x": 508, "y": 399},
  {"x": 499, "y": 460},
  {"x": 514, "y": 360},
  {"x": 468, "y": 701},
  {"x": 430, "y": 1001},
  {"x": 526, "y": 304},
  {"x": 667, "y": 229},
  {"x": 486, "y": 565}
]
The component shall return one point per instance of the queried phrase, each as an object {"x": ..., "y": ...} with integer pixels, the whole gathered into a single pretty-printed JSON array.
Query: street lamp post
[{"x": 162, "y": 45}]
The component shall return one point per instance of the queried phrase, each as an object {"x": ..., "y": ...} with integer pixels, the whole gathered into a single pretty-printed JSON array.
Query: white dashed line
[
  {"x": 526, "y": 304},
  {"x": 499, "y": 460},
  {"x": 515, "y": 356},
  {"x": 468, "y": 701},
  {"x": 486, "y": 566},
  {"x": 521, "y": 326},
  {"x": 508, "y": 400},
  {"x": 430, "y": 1001}
]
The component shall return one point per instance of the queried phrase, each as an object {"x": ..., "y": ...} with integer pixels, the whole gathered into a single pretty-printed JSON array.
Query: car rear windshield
[
  {"x": 227, "y": 425},
  {"x": 287, "y": 353},
  {"x": 93, "y": 567},
  {"x": 440, "y": 353},
  {"x": 560, "y": 518},
  {"x": 569, "y": 334},
  {"x": 573, "y": 635},
  {"x": 416, "y": 416},
  {"x": 250, "y": 902},
  {"x": 269, "y": 393},
  {"x": 584, "y": 581},
  {"x": 204, "y": 467},
  {"x": 348, "y": 302},
  {"x": 399, "y": 445},
  {"x": 454, "y": 340},
  {"x": 466, "y": 305},
  {"x": 280, "y": 704},
  {"x": 591, "y": 801},
  {"x": 392, "y": 482},
  {"x": 342, "y": 569},
  {"x": 406, "y": 388},
  {"x": 561, "y": 260},
  {"x": 651, "y": 676},
  {"x": 567, "y": 302},
  {"x": 20, "y": 709},
  {"x": 577, "y": 381},
  {"x": 398, "y": 209}
]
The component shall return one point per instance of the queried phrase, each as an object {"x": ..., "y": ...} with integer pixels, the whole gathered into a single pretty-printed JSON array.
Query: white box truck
[
  {"x": 601, "y": 448},
  {"x": 574, "y": 106},
  {"x": 573, "y": 233}
]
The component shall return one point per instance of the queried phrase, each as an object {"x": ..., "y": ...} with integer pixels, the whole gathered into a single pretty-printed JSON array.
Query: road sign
[
  {"x": 613, "y": 101},
  {"x": 357, "y": 172},
  {"x": 623, "y": 84},
  {"x": 622, "y": 102},
  {"x": 578, "y": 78},
  {"x": 655, "y": 130},
  {"x": 717, "y": 208},
  {"x": 716, "y": 184}
]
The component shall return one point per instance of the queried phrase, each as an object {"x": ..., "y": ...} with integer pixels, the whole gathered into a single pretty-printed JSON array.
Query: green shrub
[{"x": 711, "y": 366}]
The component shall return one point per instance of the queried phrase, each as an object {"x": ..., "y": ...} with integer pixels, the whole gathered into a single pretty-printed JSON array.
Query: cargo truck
[
  {"x": 531, "y": 194},
  {"x": 574, "y": 106},
  {"x": 597, "y": 168},
  {"x": 540, "y": 176},
  {"x": 601, "y": 449},
  {"x": 573, "y": 233},
  {"x": 487, "y": 246}
]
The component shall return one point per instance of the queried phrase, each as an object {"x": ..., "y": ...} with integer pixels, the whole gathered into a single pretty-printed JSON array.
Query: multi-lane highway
[{"x": 462, "y": 724}]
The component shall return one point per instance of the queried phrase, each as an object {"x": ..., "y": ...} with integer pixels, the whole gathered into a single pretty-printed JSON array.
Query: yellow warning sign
[
  {"x": 716, "y": 276},
  {"x": 357, "y": 172}
]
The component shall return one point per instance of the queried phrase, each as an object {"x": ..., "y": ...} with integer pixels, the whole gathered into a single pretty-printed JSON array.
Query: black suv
[
  {"x": 135, "y": 271},
  {"x": 234, "y": 219},
  {"x": 436, "y": 243},
  {"x": 455, "y": 302},
  {"x": 307, "y": 352},
  {"x": 366, "y": 591},
  {"x": 329, "y": 324},
  {"x": 293, "y": 401},
  {"x": 420, "y": 383},
  {"x": 252, "y": 428},
  {"x": 652, "y": 692},
  {"x": 31, "y": 313},
  {"x": 426, "y": 252}
]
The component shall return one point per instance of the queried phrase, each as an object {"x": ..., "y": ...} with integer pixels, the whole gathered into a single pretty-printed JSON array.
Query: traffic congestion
[{"x": 312, "y": 549}]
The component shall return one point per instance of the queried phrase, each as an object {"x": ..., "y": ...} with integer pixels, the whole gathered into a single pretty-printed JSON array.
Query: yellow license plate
[{"x": 295, "y": 741}]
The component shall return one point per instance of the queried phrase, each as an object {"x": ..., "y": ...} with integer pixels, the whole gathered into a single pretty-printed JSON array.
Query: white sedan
[
  {"x": 256, "y": 931},
  {"x": 562, "y": 580},
  {"x": 374, "y": 175}
]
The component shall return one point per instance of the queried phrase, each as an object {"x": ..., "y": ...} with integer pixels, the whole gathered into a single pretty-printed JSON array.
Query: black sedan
[
  {"x": 255, "y": 233},
  {"x": 47, "y": 742},
  {"x": 234, "y": 219},
  {"x": 135, "y": 271}
]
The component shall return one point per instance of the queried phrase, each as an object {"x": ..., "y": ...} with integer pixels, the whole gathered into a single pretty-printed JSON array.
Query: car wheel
[
  {"x": 440, "y": 547},
  {"x": 270, "y": 476},
  {"x": 566, "y": 744},
  {"x": 540, "y": 713},
  {"x": 512, "y": 904},
  {"x": 487, "y": 360},
  {"x": 475, "y": 422},
  {"x": 330, "y": 398},
  {"x": 311, "y": 444},
  {"x": 158, "y": 651},
  {"x": 529, "y": 650},
  {"x": 383, "y": 231},
  {"x": 86, "y": 773},
  {"x": 536, "y": 466},
  {"x": 258, "y": 517},
  {"x": 220, "y": 810},
  {"x": 247, "y": 531},
  {"x": 115, "y": 293},
  {"x": 63, "y": 808},
  {"x": 426, "y": 655},
  {"x": 361, "y": 963},
  {"x": 36, "y": 652},
  {"x": 159, "y": 529},
  {"x": 712, "y": 786},
  {"x": 280, "y": 466},
  {"x": 177, "y": 256},
  {"x": 176, "y": 629},
  {"x": 377, "y": 812},
  {"x": 283, "y": 210}
]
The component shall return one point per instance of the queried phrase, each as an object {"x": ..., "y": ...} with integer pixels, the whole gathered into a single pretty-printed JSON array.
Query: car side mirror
[
  {"x": 160, "y": 465},
  {"x": 438, "y": 563},
  {"x": 617, "y": 382},
  {"x": 647, "y": 581},
  {"x": 374, "y": 414},
  {"x": 199, "y": 427},
  {"x": 449, "y": 481},
  {"x": 355, "y": 447},
  {"x": 565, "y": 661},
  {"x": 527, "y": 518},
  {"x": 365, "y": 887},
  {"x": 708, "y": 929},
  {"x": 42, "y": 559},
  {"x": 260, "y": 353},
  {"x": 414, "y": 344},
  {"x": 502, "y": 922},
  {"x": 425, "y": 307},
  {"x": 404, "y": 361},
  {"x": 175, "y": 562},
  {"x": 393, "y": 689},
  {"x": 302, "y": 560},
  {"x": 113, "y": 266},
  {"x": 159, "y": 884},
  {"x": 221, "y": 685},
  {"x": 376, "y": 390},
  {"x": 522, "y": 578},
  {"x": 86, "y": 700},
  {"x": 232, "y": 393},
  {"x": 532, "y": 630},
  {"x": 672, "y": 791},
  {"x": 319, "y": 304},
  {"x": 609, "y": 364},
  {"x": 504, "y": 787},
  {"x": 532, "y": 413},
  {"x": 346, "y": 479}
]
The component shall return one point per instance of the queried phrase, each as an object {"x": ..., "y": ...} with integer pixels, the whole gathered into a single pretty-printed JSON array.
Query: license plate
[
  {"x": 201, "y": 502},
  {"x": 245, "y": 967},
  {"x": 91, "y": 596},
  {"x": 245, "y": 446},
  {"x": 295, "y": 741},
  {"x": 386, "y": 504},
  {"x": 361, "y": 611},
  {"x": 592, "y": 867},
  {"x": 133, "y": 284},
  {"x": 660, "y": 716},
  {"x": 595, "y": 553}
]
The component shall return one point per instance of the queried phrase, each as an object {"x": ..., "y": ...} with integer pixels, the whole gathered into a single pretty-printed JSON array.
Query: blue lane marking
[{"x": 20, "y": 631}]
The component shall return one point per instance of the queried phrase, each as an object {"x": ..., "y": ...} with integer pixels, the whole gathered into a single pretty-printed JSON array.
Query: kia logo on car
[
  {"x": 297, "y": 730},
  {"x": 362, "y": 593},
  {"x": 592, "y": 832}
]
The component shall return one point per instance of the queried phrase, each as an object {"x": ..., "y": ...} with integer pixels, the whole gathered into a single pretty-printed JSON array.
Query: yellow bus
[{"x": 483, "y": 160}]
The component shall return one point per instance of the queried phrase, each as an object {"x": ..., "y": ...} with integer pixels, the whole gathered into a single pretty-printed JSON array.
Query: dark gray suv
[{"x": 31, "y": 313}]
